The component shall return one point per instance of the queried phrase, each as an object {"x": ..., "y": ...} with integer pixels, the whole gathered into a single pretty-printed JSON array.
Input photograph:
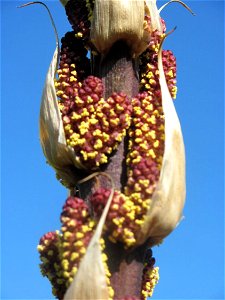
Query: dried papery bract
[
  {"x": 90, "y": 281},
  {"x": 169, "y": 196},
  {"x": 60, "y": 156},
  {"x": 152, "y": 11},
  {"x": 115, "y": 20}
]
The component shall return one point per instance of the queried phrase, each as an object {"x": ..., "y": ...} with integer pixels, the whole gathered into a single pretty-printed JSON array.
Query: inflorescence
[{"x": 94, "y": 127}]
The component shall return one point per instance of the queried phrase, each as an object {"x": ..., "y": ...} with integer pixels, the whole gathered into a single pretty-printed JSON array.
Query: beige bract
[
  {"x": 169, "y": 197},
  {"x": 60, "y": 156},
  {"x": 115, "y": 20}
]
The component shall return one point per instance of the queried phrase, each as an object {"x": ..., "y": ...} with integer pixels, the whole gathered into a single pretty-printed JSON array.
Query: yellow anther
[
  {"x": 98, "y": 144},
  {"x": 74, "y": 256},
  {"x": 170, "y": 73},
  {"x": 65, "y": 70},
  {"x": 156, "y": 144},
  {"x": 137, "y": 110},
  {"x": 84, "y": 154},
  {"x": 65, "y": 264},
  {"x": 115, "y": 206},
  {"x": 149, "y": 75},
  {"x": 72, "y": 79},
  {"x": 84, "y": 213},
  {"x": 80, "y": 142},
  {"x": 152, "y": 119},
  {"x": 149, "y": 107},
  {"x": 152, "y": 81},
  {"x": 74, "y": 73},
  {"x": 109, "y": 150},
  {"x": 105, "y": 137},
  {"x": 134, "y": 154},
  {"x": 67, "y": 127},
  {"x": 138, "y": 132},
  {"x": 85, "y": 113},
  {"x": 137, "y": 187},
  {"x": 82, "y": 250},
  {"x": 138, "y": 140},
  {"x": 100, "y": 114},
  {"x": 65, "y": 254},
  {"x": 115, "y": 121},
  {"x": 79, "y": 235},
  {"x": 67, "y": 235},
  {"x": 104, "y": 257},
  {"x": 59, "y": 93},
  {"x": 75, "y": 116},
  {"x": 74, "y": 271},
  {"x": 119, "y": 108},
  {"x": 62, "y": 76},
  {"x": 144, "y": 182},
  {"x": 145, "y": 128},
  {"x": 83, "y": 128},
  {"x": 66, "y": 274},
  {"x": 91, "y": 224},
  {"x": 79, "y": 34},
  {"x": 93, "y": 121},
  {"x": 136, "y": 160},
  {"x": 78, "y": 244},
  {"x": 131, "y": 215},
  {"x": 57, "y": 84},
  {"x": 97, "y": 133},
  {"x": 119, "y": 138},
  {"x": 72, "y": 65},
  {"x": 40, "y": 248},
  {"x": 161, "y": 128},
  {"x": 65, "y": 244},
  {"x": 85, "y": 228},
  {"x": 144, "y": 145}
]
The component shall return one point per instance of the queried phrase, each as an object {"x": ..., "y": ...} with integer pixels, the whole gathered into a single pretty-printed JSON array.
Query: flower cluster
[
  {"x": 144, "y": 159},
  {"x": 79, "y": 13},
  {"x": 149, "y": 72},
  {"x": 50, "y": 262},
  {"x": 77, "y": 230},
  {"x": 93, "y": 126},
  {"x": 150, "y": 276},
  {"x": 62, "y": 252}
]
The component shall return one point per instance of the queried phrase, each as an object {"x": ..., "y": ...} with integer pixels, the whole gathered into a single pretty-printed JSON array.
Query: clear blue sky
[{"x": 191, "y": 260}]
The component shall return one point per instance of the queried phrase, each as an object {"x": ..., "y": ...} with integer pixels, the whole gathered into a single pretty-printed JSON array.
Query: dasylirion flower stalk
[{"x": 84, "y": 126}]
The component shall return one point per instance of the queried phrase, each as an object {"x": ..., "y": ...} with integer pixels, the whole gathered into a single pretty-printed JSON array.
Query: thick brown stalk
[{"x": 119, "y": 74}]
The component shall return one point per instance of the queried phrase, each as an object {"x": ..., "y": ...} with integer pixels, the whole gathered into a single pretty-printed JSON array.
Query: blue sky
[{"x": 191, "y": 259}]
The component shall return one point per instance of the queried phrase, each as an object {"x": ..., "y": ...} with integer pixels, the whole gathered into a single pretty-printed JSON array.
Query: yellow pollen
[
  {"x": 59, "y": 93},
  {"x": 115, "y": 121},
  {"x": 65, "y": 264},
  {"x": 74, "y": 256},
  {"x": 79, "y": 34},
  {"x": 78, "y": 244},
  {"x": 74, "y": 73},
  {"x": 79, "y": 235},
  {"x": 170, "y": 73},
  {"x": 72, "y": 78},
  {"x": 98, "y": 144},
  {"x": 156, "y": 144},
  {"x": 67, "y": 235}
]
